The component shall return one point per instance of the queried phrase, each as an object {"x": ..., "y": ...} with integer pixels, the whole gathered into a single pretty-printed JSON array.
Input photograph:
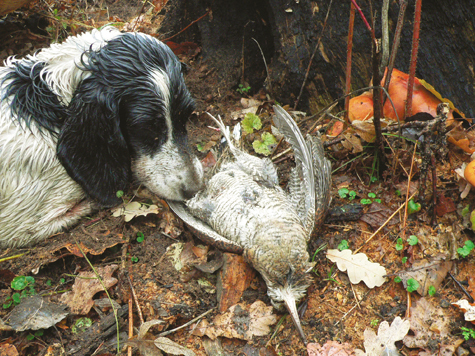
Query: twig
[
  {"x": 407, "y": 191},
  {"x": 131, "y": 325},
  {"x": 349, "y": 51},
  {"x": 362, "y": 16},
  {"x": 462, "y": 288},
  {"x": 193, "y": 22},
  {"x": 384, "y": 37},
  {"x": 396, "y": 41},
  {"x": 134, "y": 295},
  {"x": 385, "y": 223},
  {"x": 186, "y": 324},
  {"x": 313, "y": 55},
  {"x": 415, "y": 49},
  {"x": 265, "y": 63},
  {"x": 377, "y": 109}
]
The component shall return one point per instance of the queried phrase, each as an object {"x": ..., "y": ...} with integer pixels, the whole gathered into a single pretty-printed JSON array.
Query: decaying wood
[{"x": 84, "y": 344}]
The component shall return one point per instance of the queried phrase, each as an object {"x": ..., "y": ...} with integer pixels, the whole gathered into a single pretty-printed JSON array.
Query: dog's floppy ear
[{"x": 91, "y": 146}]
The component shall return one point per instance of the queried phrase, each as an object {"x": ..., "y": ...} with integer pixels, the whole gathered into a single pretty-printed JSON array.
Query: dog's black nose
[{"x": 188, "y": 193}]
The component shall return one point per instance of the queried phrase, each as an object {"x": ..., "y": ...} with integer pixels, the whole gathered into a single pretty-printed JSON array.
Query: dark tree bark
[{"x": 288, "y": 30}]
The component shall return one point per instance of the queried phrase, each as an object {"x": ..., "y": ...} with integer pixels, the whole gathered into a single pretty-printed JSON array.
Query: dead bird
[{"x": 243, "y": 208}]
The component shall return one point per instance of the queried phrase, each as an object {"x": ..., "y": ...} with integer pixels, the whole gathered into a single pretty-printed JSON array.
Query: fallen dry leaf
[
  {"x": 353, "y": 143},
  {"x": 8, "y": 350},
  {"x": 384, "y": 342},
  {"x": 243, "y": 321},
  {"x": 85, "y": 286},
  {"x": 468, "y": 308},
  {"x": 36, "y": 313},
  {"x": 134, "y": 209},
  {"x": 358, "y": 267},
  {"x": 147, "y": 345},
  {"x": 330, "y": 348},
  {"x": 427, "y": 272},
  {"x": 430, "y": 326}
]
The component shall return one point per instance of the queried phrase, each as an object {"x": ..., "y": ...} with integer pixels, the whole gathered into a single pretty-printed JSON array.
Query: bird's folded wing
[{"x": 204, "y": 232}]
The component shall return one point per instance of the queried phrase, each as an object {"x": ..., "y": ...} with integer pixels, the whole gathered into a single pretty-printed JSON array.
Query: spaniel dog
[{"x": 80, "y": 120}]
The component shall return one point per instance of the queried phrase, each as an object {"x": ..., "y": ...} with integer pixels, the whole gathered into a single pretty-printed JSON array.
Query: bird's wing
[
  {"x": 323, "y": 178},
  {"x": 203, "y": 230},
  {"x": 302, "y": 184}
]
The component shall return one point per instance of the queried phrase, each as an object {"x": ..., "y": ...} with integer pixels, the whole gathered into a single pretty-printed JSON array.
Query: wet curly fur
[{"x": 80, "y": 120}]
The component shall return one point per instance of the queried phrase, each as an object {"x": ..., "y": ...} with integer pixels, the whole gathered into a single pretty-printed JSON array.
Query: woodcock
[{"x": 243, "y": 208}]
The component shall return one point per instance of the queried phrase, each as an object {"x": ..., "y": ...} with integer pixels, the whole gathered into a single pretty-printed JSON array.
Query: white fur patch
[{"x": 167, "y": 173}]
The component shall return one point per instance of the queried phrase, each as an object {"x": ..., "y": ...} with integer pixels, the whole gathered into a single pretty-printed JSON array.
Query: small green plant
[
  {"x": 397, "y": 279},
  {"x": 404, "y": 260},
  {"x": 262, "y": 147},
  {"x": 25, "y": 284},
  {"x": 432, "y": 291},
  {"x": 466, "y": 249},
  {"x": 330, "y": 278},
  {"x": 38, "y": 333},
  {"x": 468, "y": 333},
  {"x": 412, "y": 240},
  {"x": 413, "y": 207},
  {"x": 412, "y": 285},
  {"x": 48, "y": 283},
  {"x": 365, "y": 201},
  {"x": 62, "y": 280},
  {"x": 343, "y": 245},
  {"x": 346, "y": 193},
  {"x": 374, "y": 322},
  {"x": 119, "y": 194},
  {"x": 397, "y": 192},
  {"x": 399, "y": 244},
  {"x": 134, "y": 259},
  {"x": 200, "y": 146},
  {"x": 81, "y": 325},
  {"x": 140, "y": 237},
  {"x": 251, "y": 122},
  {"x": 242, "y": 89}
]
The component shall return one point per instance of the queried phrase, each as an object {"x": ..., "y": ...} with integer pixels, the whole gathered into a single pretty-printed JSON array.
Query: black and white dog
[{"x": 80, "y": 120}]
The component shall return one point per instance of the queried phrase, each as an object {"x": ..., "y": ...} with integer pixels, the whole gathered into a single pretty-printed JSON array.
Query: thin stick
[
  {"x": 131, "y": 325},
  {"x": 193, "y": 22},
  {"x": 186, "y": 324},
  {"x": 139, "y": 311},
  {"x": 407, "y": 191},
  {"x": 415, "y": 50},
  {"x": 313, "y": 55},
  {"x": 385, "y": 223},
  {"x": 396, "y": 41},
  {"x": 349, "y": 51}
]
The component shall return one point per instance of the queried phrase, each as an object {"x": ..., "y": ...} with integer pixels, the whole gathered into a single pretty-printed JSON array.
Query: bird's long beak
[{"x": 291, "y": 306}]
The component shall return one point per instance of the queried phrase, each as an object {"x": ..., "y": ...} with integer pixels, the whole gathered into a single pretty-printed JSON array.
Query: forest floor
[{"x": 157, "y": 264}]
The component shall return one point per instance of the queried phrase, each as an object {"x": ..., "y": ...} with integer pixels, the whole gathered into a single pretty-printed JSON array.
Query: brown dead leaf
[
  {"x": 377, "y": 215},
  {"x": 85, "y": 286},
  {"x": 445, "y": 205},
  {"x": 94, "y": 250},
  {"x": 243, "y": 321},
  {"x": 330, "y": 348},
  {"x": 429, "y": 323},
  {"x": 462, "y": 138},
  {"x": 353, "y": 143},
  {"x": 209, "y": 161},
  {"x": 428, "y": 272},
  {"x": 336, "y": 129},
  {"x": 170, "y": 224},
  {"x": 8, "y": 350},
  {"x": 365, "y": 129}
]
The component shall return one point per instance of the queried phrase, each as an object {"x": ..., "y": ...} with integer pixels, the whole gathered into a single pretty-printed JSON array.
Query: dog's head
[{"x": 127, "y": 118}]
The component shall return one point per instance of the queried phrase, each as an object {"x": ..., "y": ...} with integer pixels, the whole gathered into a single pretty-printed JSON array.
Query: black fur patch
[{"x": 32, "y": 101}]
